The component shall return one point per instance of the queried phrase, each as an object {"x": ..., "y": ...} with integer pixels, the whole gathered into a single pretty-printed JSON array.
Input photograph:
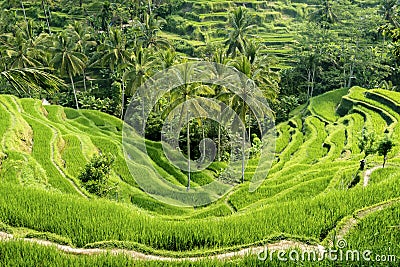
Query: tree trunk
[
  {"x": 123, "y": 100},
  {"x": 204, "y": 144},
  {"x": 249, "y": 136},
  {"x": 144, "y": 121},
  {"x": 312, "y": 81},
  {"x": 384, "y": 161},
  {"x": 188, "y": 147},
  {"x": 351, "y": 72},
  {"x": 46, "y": 16},
  {"x": 243, "y": 143},
  {"x": 149, "y": 5},
  {"x": 84, "y": 80},
  {"x": 219, "y": 142},
  {"x": 80, "y": 3},
  {"x": 243, "y": 153},
  {"x": 308, "y": 83},
  {"x": 73, "y": 89},
  {"x": 23, "y": 10}
]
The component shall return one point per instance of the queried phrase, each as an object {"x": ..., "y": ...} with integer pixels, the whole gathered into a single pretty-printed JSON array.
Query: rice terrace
[{"x": 199, "y": 133}]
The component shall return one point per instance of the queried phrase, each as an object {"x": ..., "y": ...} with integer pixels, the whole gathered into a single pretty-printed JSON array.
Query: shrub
[
  {"x": 96, "y": 174},
  {"x": 384, "y": 147},
  {"x": 255, "y": 147}
]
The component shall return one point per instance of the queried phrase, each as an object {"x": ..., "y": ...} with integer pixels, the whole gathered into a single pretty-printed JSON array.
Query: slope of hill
[
  {"x": 205, "y": 22},
  {"x": 195, "y": 24},
  {"x": 313, "y": 187}
]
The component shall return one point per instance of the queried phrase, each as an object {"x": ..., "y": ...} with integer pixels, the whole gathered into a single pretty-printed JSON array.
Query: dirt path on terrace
[
  {"x": 352, "y": 222},
  {"x": 280, "y": 245},
  {"x": 368, "y": 173}
]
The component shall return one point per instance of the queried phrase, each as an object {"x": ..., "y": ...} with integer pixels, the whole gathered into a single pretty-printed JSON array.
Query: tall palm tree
[
  {"x": 115, "y": 53},
  {"x": 23, "y": 10},
  {"x": 141, "y": 67},
  {"x": 181, "y": 96},
  {"x": 325, "y": 13},
  {"x": 147, "y": 32},
  {"x": 46, "y": 14},
  {"x": 105, "y": 16},
  {"x": 238, "y": 101},
  {"x": 259, "y": 70},
  {"x": 388, "y": 10},
  {"x": 67, "y": 59},
  {"x": 84, "y": 41},
  {"x": 24, "y": 49},
  {"x": 241, "y": 24},
  {"x": 219, "y": 57},
  {"x": 257, "y": 74}
]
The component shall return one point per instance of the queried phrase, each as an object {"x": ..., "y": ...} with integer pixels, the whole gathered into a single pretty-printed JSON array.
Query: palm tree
[
  {"x": 105, "y": 15},
  {"x": 325, "y": 14},
  {"x": 259, "y": 68},
  {"x": 142, "y": 64},
  {"x": 257, "y": 74},
  {"x": 238, "y": 101},
  {"x": 67, "y": 59},
  {"x": 240, "y": 22},
  {"x": 388, "y": 9},
  {"x": 147, "y": 32},
  {"x": 221, "y": 60},
  {"x": 139, "y": 70},
  {"x": 115, "y": 53},
  {"x": 181, "y": 96},
  {"x": 168, "y": 58},
  {"x": 24, "y": 49},
  {"x": 46, "y": 15},
  {"x": 23, "y": 10},
  {"x": 25, "y": 80},
  {"x": 84, "y": 41}
]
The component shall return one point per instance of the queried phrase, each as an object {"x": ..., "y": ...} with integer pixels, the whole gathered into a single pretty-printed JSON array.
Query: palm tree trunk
[
  {"x": 243, "y": 143},
  {"x": 188, "y": 148},
  {"x": 143, "y": 120},
  {"x": 149, "y": 5},
  {"x": 249, "y": 136},
  {"x": 46, "y": 16},
  {"x": 204, "y": 144},
  {"x": 219, "y": 142},
  {"x": 351, "y": 73},
  {"x": 23, "y": 10},
  {"x": 308, "y": 83},
  {"x": 312, "y": 81},
  {"x": 73, "y": 89},
  {"x": 243, "y": 154},
  {"x": 84, "y": 80},
  {"x": 122, "y": 100}
]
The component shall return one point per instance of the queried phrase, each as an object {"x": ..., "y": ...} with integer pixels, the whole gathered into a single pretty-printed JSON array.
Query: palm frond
[{"x": 31, "y": 79}]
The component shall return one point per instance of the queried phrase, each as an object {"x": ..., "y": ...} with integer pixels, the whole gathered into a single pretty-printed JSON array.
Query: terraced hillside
[
  {"x": 198, "y": 23},
  {"x": 314, "y": 192},
  {"x": 203, "y": 22},
  {"x": 195, "y": 25}
]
